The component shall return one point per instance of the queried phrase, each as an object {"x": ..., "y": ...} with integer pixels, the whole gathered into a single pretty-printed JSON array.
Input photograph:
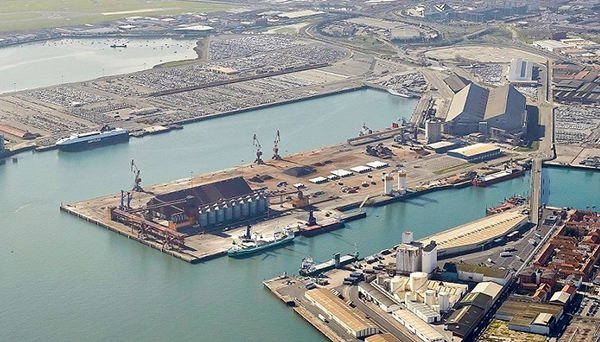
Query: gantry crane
[
  {"x": 137, "y": 180},
  {"x": 276, "y": 155},
  {"x": 257, "y": 149}
]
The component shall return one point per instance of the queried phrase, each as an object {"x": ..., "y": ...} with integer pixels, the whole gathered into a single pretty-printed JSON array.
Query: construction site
[{"x": 309, "y": 193}]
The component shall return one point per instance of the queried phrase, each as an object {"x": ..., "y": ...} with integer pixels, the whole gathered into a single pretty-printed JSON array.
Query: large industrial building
[
  {"x": 498, "y": 113},
  {"x": 412, "y": 256},
  {"x": 211, "y": 204},
  {"x": 476, "y": 153},
  {"x": 524, "y": 314},
  {"x": 520, "y": 71},
  {"x": 338, "y": 311}
]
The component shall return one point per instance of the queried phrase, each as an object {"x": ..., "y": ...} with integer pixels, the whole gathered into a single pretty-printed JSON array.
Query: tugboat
[{"x": 251, "y": 244}]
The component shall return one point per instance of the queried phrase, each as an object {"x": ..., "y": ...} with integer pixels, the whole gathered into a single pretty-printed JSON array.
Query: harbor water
[
  {"x": 73, "y": 60},
  {"x": 63, "y": 279}
]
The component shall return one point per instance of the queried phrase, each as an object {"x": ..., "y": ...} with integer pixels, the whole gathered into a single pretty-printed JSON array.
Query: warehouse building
[
  {"x": 372, "y": 294},
  {"x": 523, "y": 314},
  {"x": 477, "y": 152},
  {"x": 473, "y": 308},
  {"x": 382, "y": 338},
  {"x": 476, "y": 109},
  {"x": 521, "y": 71},
  {"x": 418, "y": 327},
  {"x": 339, "y": 312},
  {"x": 211, "y": 204},
  {"x": 466, "y": 272}
]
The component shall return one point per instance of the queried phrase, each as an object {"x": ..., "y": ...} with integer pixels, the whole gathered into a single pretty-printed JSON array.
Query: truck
[
  {"x": 506, "y": 254},
  {"x": 509, "y": 249},
  {"x": 321, "y": 317},
  {"x": 532, "y": 242}
]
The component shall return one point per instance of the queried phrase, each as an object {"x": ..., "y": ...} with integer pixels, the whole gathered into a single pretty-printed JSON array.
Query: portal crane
[
  {"x": 276, "y": 155},
  {"x": 136, "y": 176},
  {"x": 257, "y": 149}
]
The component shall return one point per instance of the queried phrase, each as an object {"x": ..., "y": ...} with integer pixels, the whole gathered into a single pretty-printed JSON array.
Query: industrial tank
[
  {"x": 444, "y": 301},
  {"x": 417, "y": 280},
  {"x": 430, "y": 298},
  {"x": 245, "y": 208},
  {"x": 407, "y": 236},
  {"x": 253, "y": 207},
  {"x": 203, "y": 218},
  {"x": 237, "y": 210},
  {"x": 220, "y": 213},
  {"x": 228, "y": 211},
  {"x": 262, "y": 204},
  {"x": 410, "y": 297},
  {"x": 212, "y": 217},
  {"x": 396, "y": 283}
]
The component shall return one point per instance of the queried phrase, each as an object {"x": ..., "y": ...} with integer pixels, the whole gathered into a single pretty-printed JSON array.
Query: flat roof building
[
  {"x": 523, "y": 314},
  {"x": 520, "y": 71},
  {"x": 550, "y": 45},
  {"x": 382, "y": 338},
  {"x": 338, "y": 311},
  {"x": 477, "y": 152},
  {"x": 418, "y": 327}
]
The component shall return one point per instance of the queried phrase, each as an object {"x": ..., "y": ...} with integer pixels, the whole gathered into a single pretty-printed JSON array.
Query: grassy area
[
  {"x": 535, "y": 145},
  {"x": 498, "y": 331},
  {"x": 451, "y": 169},
  {"x": 35, "y": 14}
]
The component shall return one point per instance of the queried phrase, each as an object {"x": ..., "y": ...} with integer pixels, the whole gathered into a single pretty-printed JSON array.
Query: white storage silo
[
  {"x": 396, "y": 283},
  {"x": 228, "y": 211},
  {"x": 203, "y": 218},
  {"x": 410, "y": 297},
  {"x": 245, "y": 208},
  {"x": 436, "y": 308},
  {"x": 212, "y": 217},
  {"x": 237, "y": 210},
  {"x": 417, "y": 281},
  {"x": 262, "y": 204},
  {"x": 402, "y": 182},
  {"x": 430, "y": 298},
  {"x": 444, "y": 301},
  {"x": 388, "y": 183},
  {"x": 253, "y": 207},
  {"x": 407, "y": 236},
  {"x": 220, "y": 213},
  {"x": 429, "y": 258}
]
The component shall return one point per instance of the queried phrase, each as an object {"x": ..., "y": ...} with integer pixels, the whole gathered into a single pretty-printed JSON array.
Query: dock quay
[{"x": 200, "y": 218}]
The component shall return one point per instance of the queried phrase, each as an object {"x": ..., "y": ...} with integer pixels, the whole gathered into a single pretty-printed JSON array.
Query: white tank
[
  {"x": 228, "y": 212},
  {"x": 402, "y": 182},
  {"x": 253, "y": 207},
  {"x": 388, "y": 183},
  {"x": 245, "y": 208},
  {"x": 237, "y": 210},
  {"x": 407, "y": 236},
  {"x": 410, "y": 297},
  {"x": 212, "y": 217},
  {"x": 430, "y": 298},
  {"x": 220, "y": 213},
  {"x": 262, "y": 204},
  {"x": 444, "y": 301},
  {"x": 203, "y": 218},
  {"x": 396, "y": 283},
  {"x": 436, "y": 308},
  {"x": 417, "y": 281}
]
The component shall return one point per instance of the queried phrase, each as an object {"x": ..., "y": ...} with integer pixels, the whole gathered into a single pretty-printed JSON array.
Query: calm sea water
[
  {"x": 62, "y": 279},
  {"x": 43, "y": 64}
]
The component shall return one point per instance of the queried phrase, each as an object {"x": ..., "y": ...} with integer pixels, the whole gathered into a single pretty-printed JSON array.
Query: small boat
[{"x": 114, "y": 46}]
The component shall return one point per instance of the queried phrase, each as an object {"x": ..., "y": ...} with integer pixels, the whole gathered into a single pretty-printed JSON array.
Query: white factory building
[
  {"x": 520, "y": 71},
  {"x": 412, "y": 256}
]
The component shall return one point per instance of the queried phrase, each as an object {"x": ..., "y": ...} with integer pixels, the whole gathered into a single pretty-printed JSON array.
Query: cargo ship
[
  {"x": 105, "y": 136},
  {"x": 310, "y": 268},
  {"x": 498, "y": 177},
  {"x": 510, "y": 203},
  {"x": 256, "y": 243},
  {"x": 317, "y": 229}
]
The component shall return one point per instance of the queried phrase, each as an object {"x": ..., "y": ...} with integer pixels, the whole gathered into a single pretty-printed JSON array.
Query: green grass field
[{"x": 34, "y": 14}]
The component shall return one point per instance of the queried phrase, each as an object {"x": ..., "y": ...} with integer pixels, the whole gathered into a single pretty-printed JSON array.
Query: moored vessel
[
  {"x": 253, "y": 244},
  {"x": 105, "y": 136},
  {"x": 498, "y": 177}
]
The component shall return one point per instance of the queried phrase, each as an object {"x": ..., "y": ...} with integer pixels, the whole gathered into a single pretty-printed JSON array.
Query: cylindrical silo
[
  {"x": 396, "y": 283},
  {"x": 410, "y": 297},
  {"x": 245, "y": 208},
  {"x": 429, "y": 298},
  {"x": 220, "y": 213},
  {"x": 444, "y": 301},
  {"x": 402, "y": 182},
  {"x": 417, "y": 280},
  {"x": 228, "y": 212},
  {"x": 237, "y": 210},
  {"x": 203, "y": 218},
  {"x": 212, "y": 217},
  {"x": 253, "y": 207},
  {"x": 388, "y": 183},
  {"x": 262, "y": 204}
]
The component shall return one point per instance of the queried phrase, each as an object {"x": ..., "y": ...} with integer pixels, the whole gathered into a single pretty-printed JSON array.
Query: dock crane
[
  {"x": 276, "y": 155},
  {"x": 257, "y": 148},
  {"x": 136, "y": 176}
]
